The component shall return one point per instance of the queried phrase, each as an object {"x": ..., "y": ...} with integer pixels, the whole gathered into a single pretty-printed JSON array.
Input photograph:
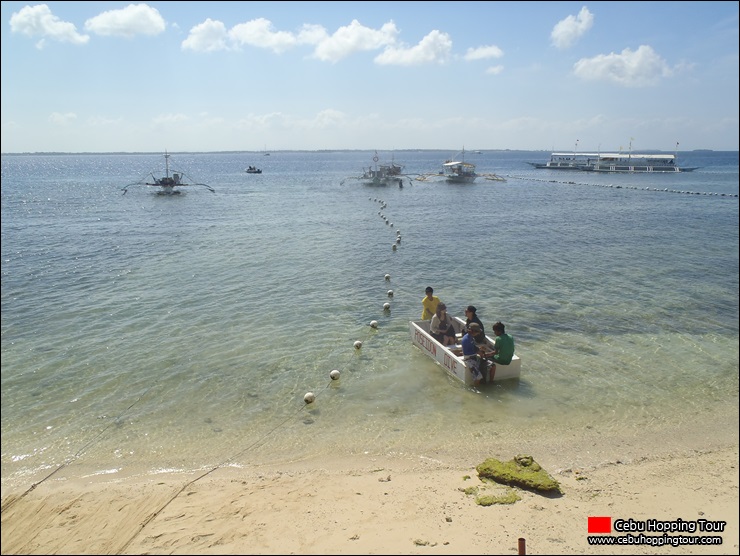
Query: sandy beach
[{"x": 395, "y": 503}]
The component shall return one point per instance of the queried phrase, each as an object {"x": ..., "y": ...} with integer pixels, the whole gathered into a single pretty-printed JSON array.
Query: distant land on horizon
[{"x": 477, "y": 151}]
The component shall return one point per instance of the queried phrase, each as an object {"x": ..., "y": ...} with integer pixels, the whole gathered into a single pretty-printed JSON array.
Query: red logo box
[{"x": 599, "y": 524}]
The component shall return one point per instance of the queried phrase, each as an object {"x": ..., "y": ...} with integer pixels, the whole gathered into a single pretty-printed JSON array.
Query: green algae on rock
[{"x": 522, "y": 471}]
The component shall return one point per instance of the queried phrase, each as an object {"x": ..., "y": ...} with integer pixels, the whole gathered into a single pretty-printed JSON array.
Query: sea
[{"x": 146, "y": 333}]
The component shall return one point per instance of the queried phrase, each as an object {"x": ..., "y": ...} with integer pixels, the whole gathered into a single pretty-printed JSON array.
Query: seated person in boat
[
  {"x": 503, "y": 348},
  {"x": 471, "y": 316},
  {"x": 441, "y": 327},
  {"x": 471, "y": 352}
]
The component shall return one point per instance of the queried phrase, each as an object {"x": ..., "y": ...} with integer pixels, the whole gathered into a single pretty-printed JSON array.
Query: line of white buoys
[
  {"x": 613, "y": 186},
  {"x": 310, "y": 397}
]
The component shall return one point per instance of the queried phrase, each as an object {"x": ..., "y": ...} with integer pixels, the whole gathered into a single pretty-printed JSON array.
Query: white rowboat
[{"x": 451, "y": 358}]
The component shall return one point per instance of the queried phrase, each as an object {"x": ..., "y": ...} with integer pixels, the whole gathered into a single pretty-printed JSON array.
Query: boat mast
[
  {"x": 575, "y": 150},
  {"x": 166, "y": 164}
]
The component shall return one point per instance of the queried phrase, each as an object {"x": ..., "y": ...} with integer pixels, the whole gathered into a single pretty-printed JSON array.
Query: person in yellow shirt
[{"x": 429, "y": 302}]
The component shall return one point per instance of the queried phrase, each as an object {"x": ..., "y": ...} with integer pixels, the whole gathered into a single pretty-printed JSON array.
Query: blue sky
[{"x": 240, "y": 76}]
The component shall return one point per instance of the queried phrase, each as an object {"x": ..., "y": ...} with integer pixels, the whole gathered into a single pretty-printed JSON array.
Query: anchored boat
[
  {"x": 451, "y": 358},
  {"x": 169, "y": 182}
]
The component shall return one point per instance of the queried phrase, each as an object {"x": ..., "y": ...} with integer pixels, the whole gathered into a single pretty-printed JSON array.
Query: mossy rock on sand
[{"x": 522, "y": 471}]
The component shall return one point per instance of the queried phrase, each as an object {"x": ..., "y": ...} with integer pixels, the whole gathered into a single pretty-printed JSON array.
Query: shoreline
[{"x": 393, "y": 503}]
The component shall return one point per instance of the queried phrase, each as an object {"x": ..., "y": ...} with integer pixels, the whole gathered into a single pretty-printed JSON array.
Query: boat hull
[
  {"x": 556, "y": 166},
  {"x": 461, "y": 179},
  {"x": 450, "y": 357},
  {"x": 638, "y": 169}
]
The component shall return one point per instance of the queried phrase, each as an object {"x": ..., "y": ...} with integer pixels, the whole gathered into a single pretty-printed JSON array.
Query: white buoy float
[
  {"x": 309, "y": 397},
  {"x": 390, "y": 293},
  {"x": 334, "y": 374},
  {"x": 387, "y": 277},
  {"x": 395, "y": 247},
  {"x": 386, "y": 306},
  {"x": 358, "y": 344},
  {"x": 373, "y": 324}
]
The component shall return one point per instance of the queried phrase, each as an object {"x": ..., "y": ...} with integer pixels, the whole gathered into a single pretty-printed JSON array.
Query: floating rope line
[
  {"x": 357, "y": 348},
  {"x": 79, "y": 452},
  {"x": 612, "y": 186},
  {"x": 309, "y": 398},
  {"x": 228, "y": 460}
]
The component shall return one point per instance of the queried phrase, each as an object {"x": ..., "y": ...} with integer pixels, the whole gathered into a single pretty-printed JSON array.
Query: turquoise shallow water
[{"x": 144, "y": 332}]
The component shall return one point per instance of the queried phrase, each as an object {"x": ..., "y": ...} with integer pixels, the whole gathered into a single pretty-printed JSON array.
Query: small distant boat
[
  {"x": 380, "y": 174},
  {"x": 458, "y": 170},
  {"x": 451, "y": 358},
  {"x": 169, "y": 183},
  {"x": 253, "y": 170}
]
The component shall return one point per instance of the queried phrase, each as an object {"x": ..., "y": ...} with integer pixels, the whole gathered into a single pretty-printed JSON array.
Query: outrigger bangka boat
[
  {"x": 168, "y": 183},
  {"x": 380, "y": 174},
  {"x": 451, "y": 358},
  {"x": 459, "y": 171}
]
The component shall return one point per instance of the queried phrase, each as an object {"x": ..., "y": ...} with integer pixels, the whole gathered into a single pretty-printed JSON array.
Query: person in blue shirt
[{"x": 470, "y": 351}]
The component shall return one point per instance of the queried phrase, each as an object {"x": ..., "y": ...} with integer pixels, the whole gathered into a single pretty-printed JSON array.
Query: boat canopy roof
[
  {"x": 627, "y": 156},
  {"x": 575, "y": 154},
  {"x": 454, "y": 163}
]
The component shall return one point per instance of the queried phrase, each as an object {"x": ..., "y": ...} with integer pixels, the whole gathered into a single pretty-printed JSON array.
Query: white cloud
[
  {"x": 38, "y": 21},
  {"x": 329, "y": 118},
  {"x": 260, "y": 33},
  {"x": 572, "y": 28},
  {"x": 494, "y": 70},
  {"x": 345, "y": 41},
  {"x": 435, "y": 47},
  {"x": 170, "y": 118},
  {"x": 640, "y": 68},
  {"x": 208, "y": 36},
  {"x": 62, "y": 119},
  {"x": 100, "y": 121},
  {"x": 483, "y": 53},
  {"x": 134, "y": 19},
  {"x": 352, "y": 38}
]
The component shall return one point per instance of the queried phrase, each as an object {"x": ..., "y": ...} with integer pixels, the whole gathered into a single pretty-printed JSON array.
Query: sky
[{"x": 252, "y": 76}]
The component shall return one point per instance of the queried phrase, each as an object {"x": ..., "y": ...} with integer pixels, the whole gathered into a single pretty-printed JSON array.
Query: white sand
[{"x": 389, "y": 504}]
